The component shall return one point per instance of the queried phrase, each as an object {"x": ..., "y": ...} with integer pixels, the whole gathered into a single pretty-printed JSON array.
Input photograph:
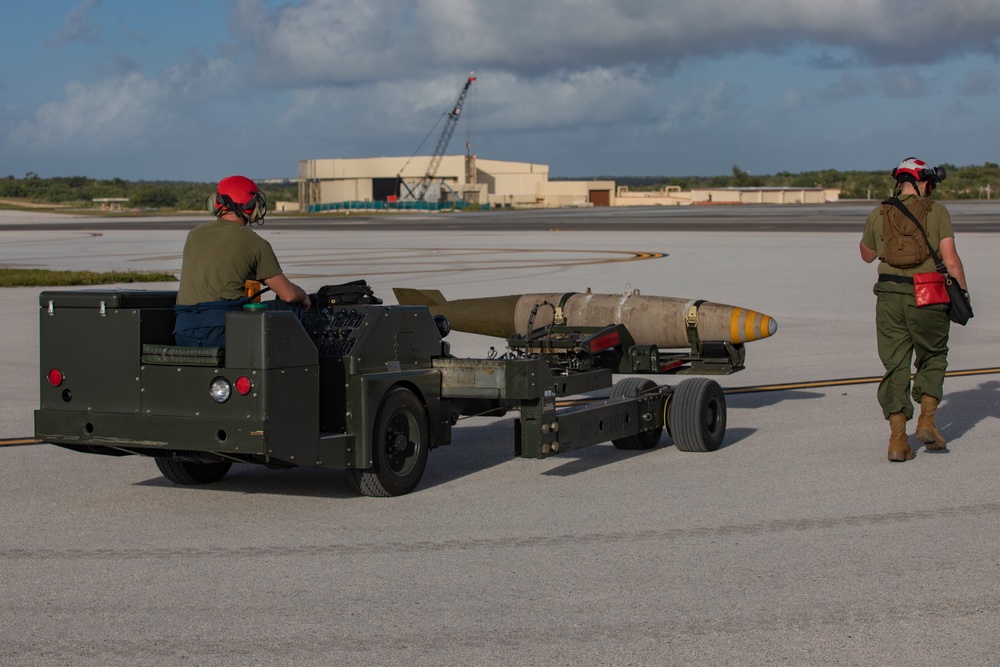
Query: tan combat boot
[
  {"x": 899, "y": 444},
  {"x": 927, "y": 433}
]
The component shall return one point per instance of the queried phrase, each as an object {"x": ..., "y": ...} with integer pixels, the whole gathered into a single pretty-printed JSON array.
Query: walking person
[{"x": 907, "y": 334}]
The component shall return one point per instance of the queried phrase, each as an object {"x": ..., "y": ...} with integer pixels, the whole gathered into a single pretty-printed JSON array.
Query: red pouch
[{"x": 928, "y": 289}]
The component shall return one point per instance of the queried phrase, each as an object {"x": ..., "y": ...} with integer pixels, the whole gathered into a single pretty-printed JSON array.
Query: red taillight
[
  {"x": 243, "y": 385},
  {"x": 56, "y": 377}
]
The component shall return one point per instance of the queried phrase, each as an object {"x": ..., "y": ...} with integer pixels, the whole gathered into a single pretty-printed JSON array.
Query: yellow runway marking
[
  {"x": 379, "y": 262},
  {"x": 10, "y": 442},
  {"x": 844, "y": 382},
  {"x": 800, "y": 385}
]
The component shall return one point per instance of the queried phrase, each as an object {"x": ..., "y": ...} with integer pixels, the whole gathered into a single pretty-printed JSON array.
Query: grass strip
[{"x": 44, "y": 278}]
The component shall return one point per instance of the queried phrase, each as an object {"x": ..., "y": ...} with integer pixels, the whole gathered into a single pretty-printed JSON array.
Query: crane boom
[{"x": 442, "y": 144}]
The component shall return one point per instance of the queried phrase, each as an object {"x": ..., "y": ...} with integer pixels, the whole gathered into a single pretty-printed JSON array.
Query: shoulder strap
[{"x": 938, "y": 264}]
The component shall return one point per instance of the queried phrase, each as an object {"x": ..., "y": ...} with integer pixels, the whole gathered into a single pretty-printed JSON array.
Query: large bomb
[{"x": 662, "y": 321}]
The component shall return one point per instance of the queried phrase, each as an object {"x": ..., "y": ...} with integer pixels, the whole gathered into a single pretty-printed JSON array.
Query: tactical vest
[{"x": 903, "y": 246}]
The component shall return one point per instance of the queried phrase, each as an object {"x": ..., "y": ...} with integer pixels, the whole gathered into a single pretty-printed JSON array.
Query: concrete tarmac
[{"x": 796, "y": 543}]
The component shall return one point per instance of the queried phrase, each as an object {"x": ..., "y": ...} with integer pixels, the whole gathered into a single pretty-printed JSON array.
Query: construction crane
[{"x": 451, "y": 120}]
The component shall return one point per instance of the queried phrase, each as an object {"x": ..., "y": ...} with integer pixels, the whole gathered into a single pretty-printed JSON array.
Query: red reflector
[
  {"x": 604, "y": 342},
  {"x": 243, "y": 385},
  {"x": 55, "y": 377}
]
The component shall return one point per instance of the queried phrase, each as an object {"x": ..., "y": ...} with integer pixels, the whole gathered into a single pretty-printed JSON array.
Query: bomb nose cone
[{"x": 747, "y": 325}]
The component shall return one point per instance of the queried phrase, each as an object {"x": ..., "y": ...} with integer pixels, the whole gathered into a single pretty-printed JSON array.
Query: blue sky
[{"x": 198, "y": 89}]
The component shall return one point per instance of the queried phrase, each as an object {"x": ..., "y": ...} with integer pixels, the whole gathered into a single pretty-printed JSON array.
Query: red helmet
[
  {"x": 911, "y": 169},
  {"x": 239, "y": 195}
]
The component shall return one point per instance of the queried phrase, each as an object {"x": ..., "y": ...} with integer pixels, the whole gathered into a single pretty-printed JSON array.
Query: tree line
[
  {"x": 969, "y": 182},
  {"x": 80, "y": 191}
]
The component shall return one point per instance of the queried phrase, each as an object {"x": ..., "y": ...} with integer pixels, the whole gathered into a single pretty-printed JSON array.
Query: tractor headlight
[{"x": 220, "y": 390}]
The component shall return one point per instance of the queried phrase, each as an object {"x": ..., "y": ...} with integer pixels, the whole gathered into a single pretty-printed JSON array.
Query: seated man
[{"x": 219, "y": 257}]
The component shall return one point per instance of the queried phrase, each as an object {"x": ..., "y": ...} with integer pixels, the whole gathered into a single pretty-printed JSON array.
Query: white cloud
[
  {"x": 599, "y": 95},
  {"x": 702, "y": 107},
  {"x": 128, "y": 111},
  {"x": 115, "y": 110},
  {"x": 980, "y": 82},
  {"x": 352, "y": 41},
  {"x": 903, "y": 82},
  {"x": 848, "y": 86},
  {"x": 78, "y": 25},
  {"x": 578, "y": 78},
  {"x": 791, "y": 100},
  {"x": 565, "y": 99},
  {"x": 341, "y": 42}
]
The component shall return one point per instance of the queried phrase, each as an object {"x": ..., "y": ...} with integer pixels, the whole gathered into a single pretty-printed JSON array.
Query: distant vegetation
[
  {"x": 80, "y": 191},
  {"x": 962, "y": 182},
  {"x": 43, "y": 278},
  {"x": 972, "y": 182}
]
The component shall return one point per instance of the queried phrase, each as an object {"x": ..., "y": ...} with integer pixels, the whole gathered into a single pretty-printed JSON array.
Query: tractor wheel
[
  {"x": 191, "y": 472},
  {"x": 400, "y": 444},
  {"x": 696, "y": 415}
]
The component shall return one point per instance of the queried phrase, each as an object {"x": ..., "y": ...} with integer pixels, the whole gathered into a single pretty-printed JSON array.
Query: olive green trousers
[{"x": 909, "y": 335}]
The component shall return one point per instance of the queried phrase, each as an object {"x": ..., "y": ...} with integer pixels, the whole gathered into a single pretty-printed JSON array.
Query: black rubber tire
[
  {"x": 190, "y": 472},
  {"x": 631, "y": 387},
  {"x": 400, "y": 441},
  {"x": 696, "y": 415}
]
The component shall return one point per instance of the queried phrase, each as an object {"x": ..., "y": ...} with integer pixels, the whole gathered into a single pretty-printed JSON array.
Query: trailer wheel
[
  {"x": 696, "y": 415},
  {"x": 400, "y": 443},
  {"x": 632, "y": 387},
  {"x": 191, "y": 472}
]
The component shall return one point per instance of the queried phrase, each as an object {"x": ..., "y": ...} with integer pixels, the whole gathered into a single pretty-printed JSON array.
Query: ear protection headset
[{"x": 913, "y": 170}]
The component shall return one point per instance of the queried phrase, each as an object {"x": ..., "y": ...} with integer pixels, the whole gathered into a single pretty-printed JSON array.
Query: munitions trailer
[{"x": 353, "y": 385}]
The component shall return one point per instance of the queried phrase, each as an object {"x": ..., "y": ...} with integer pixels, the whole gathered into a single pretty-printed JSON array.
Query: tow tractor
[{"x": 356, "y": 385}]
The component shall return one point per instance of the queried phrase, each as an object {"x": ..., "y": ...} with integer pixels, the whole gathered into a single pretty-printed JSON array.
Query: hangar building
[{"x": 346, "y": 181}]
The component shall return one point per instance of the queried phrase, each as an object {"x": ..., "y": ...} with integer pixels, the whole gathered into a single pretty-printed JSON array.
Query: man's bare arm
[
  {"x": 949, "y": 255},
  {"x": 288, "y": 291},
  {"x": 867, "y": 253}
]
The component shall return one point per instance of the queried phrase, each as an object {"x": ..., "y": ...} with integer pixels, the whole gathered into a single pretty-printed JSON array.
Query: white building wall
[
  {"x": 354, "y": 189},
  {"x": 671, "y": 195},
  {"x": 511, "y": 180},
  {"x": 574, "y": 193},
  {"x": 764, "y": 195},
  {"x": 452, "y": 167}
]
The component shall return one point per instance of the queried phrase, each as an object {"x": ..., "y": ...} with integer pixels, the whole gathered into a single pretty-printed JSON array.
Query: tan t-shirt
[
  {"x": 938, "y": 227},
  {"x": 219, "y": 257}
]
